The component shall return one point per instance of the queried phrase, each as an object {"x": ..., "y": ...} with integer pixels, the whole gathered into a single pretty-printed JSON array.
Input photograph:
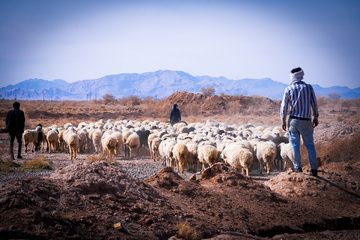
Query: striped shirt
[{"x": 301, "y": 98}]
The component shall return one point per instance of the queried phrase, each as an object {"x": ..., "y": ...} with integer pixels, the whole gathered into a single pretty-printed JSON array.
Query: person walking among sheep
[
  {"x": 15, "y": 123},
  {"x": 175, "y": 115},
  {"x": 301, "y": 98}
]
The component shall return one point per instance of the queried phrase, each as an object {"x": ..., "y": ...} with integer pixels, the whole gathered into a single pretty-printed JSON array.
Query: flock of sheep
[{"x": 180, "y": 146}]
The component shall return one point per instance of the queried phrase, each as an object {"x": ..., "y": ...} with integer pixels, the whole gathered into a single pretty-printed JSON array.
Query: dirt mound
[
  {"x": 82, "y": 200},
  {"x": 218, "y": 103},
  {"x": 337, "y": 188},
  {"x": 223, "y": 200},
  {"x": 98, "y": 200}
]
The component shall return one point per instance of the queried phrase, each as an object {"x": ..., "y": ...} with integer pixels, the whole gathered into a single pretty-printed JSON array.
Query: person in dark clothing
[
  {"x": 175, "y": 115},
  {"x": 15, "y": 123}
]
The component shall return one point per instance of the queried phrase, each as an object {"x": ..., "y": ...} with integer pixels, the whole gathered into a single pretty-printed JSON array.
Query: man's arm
[
  {"x": 283, "y": 110},
  {"x": 314, "y": 108}
]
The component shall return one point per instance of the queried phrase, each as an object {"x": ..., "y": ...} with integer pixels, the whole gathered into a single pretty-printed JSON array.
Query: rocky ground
[{"x": 141, "y": 199}]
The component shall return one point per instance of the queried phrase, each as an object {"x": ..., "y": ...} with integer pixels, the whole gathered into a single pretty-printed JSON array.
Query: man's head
[
  {"x": 297, "y": 75},
  {"x": 175, "y": 106},
  {"x": 16, "y": 105}
]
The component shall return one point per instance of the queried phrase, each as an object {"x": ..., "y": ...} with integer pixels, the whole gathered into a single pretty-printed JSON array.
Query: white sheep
[
  {"x": 150, "y": 139},
  {"x": 193, "y": 155},
  {"x": 133, "y": 143},
  {"x": 126, "y": 133},
  {"x": 62, "y": 143},
  {"x": 119, "y": 141},
  {"x": 31, "y": 136},
  {"x": 207, "y": 155},
  {"x": 287, "y": 155},
  {"x": 167, "y": 147},
  {"x": 108, "y": 142},
  {"x": 52, "y": 137},
  {"x": 155, "y": 144},
  {"x": 266, "y": 153},
  {"x": 181, "y": 156},
  {"x": 72, "y": 140},
  {"x": 96, "y": 140},
  {"x": 83, "y": 139},
  {"x": 238, "y": 157}
]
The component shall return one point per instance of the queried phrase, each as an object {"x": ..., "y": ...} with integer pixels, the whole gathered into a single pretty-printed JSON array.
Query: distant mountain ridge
[{"x": 159, "y": 84}]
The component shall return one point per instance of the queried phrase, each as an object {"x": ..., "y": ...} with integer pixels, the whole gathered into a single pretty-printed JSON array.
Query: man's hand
[
  {"x": 284, "y": 126},
  {"x": 315, "y": 122}
]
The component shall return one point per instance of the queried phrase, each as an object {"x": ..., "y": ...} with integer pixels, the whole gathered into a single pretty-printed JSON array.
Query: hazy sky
[{"x": 85, "y": 39}]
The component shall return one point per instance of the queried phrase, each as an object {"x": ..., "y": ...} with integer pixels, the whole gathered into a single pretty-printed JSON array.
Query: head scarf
[{"x": 297, "y": 76}]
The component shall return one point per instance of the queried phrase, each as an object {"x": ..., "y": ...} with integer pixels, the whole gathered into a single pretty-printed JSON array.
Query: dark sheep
[{"x": 143, "y": 135}]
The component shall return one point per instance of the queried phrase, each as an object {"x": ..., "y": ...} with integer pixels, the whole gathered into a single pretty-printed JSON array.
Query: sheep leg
[
  {"x": 151, "y": 153},
  {"x": 203, "y": 167},
  {"x": 127, "y": 151},
  {"x": 268, "y": 166},
  {"x": 261, "y": 165},
  {"x": 75, "y": 153},
  {"x": 182, "y": 166},
  {"x": 70, "y": 150}
]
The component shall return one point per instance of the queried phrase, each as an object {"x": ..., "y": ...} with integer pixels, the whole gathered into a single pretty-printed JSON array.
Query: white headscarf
[{"x": 297, "y": 76}]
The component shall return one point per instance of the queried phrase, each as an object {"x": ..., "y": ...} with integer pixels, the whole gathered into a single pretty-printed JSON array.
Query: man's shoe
[
  {"x": 298, "y": 170},
  {"x": 19, "y": 157},
  {"x": 313, "y": 172}
]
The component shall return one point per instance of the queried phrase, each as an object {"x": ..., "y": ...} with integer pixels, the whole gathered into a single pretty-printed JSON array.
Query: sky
[{"x": 88, "y": 39}]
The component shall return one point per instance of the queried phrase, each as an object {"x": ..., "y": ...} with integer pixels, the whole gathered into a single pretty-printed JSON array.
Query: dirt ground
[{"x": 142, "y": 199}]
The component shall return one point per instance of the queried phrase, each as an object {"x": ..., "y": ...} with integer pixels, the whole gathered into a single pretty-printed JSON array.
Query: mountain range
[{"x": 159, "y": 84}]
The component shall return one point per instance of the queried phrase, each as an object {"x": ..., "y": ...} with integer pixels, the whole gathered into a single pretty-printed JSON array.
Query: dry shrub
[
  {"x": 322, "y": 101},
  {"x": 97, "y": 101},
  {"x": 148, "y": 106},
  {"x": 96, "y": 158},
  {"x": 132, "y": 100},
  {"x": 207, "y": 91},
  {"x": 186, "y": 232},
  {"x": 340, "y": 149},
  {"x": 159, "y": 110},
  {"x": 7, "y": 164},
  {"x": 5, "y": 167},
  {"x": 39, "y": 162},
  {"x": 8, "y": 167}
]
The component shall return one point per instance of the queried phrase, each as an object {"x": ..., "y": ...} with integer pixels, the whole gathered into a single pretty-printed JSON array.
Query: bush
[
  {"x": 96, "y": 158},
  {"x": 187, "y": 232},
  {"x": 108, "y": 98},
  {"x": 135, "y": 100},
  {"x": 208, "y": 91},
  {"x": 39, "y": 162},
  {"x": 340, "y": 149}
]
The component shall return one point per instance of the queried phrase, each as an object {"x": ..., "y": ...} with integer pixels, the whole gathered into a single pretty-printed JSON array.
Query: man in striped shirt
[{"x": 301, "y": 98}]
